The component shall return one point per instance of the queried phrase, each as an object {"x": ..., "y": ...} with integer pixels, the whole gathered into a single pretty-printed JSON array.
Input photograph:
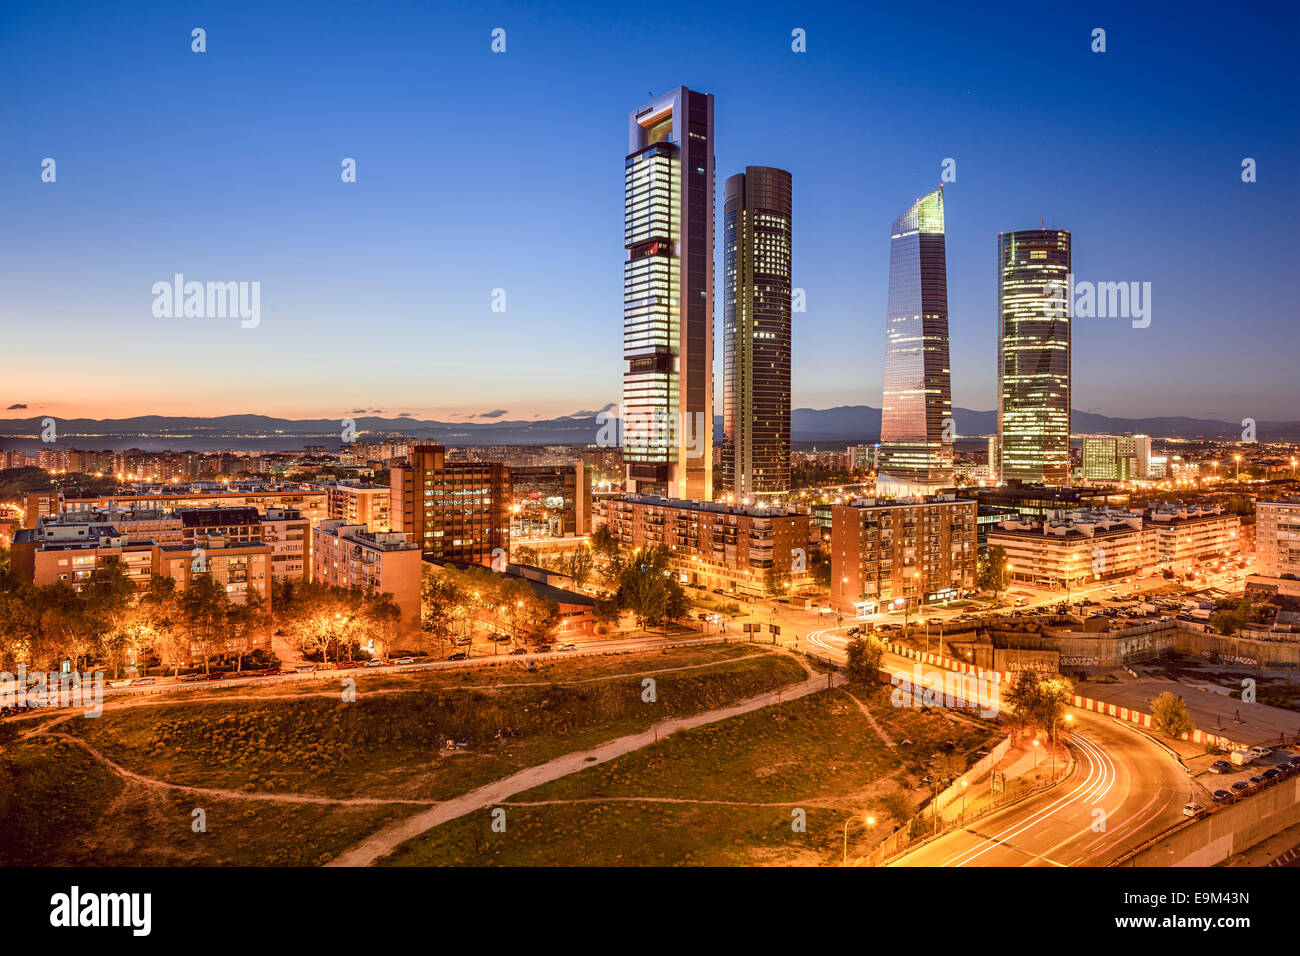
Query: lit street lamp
[{"x": 868, "y": 821}]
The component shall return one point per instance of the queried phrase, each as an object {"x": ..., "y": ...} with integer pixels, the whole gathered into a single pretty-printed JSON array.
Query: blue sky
[{"x": 479, "y": 171}]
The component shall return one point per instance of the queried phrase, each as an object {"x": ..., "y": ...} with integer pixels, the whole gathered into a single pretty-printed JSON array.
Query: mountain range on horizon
[{"x": 845, "y": 423}]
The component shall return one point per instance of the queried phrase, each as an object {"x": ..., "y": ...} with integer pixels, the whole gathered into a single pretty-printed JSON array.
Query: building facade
[
  {"x": 453, "y": 510},
  {"x": 356, "y": 502},
  {"x": 382, "y": 562},
  {"x": 742, "y": 548},
  {"x": 916, "y": 434},
  {"x": 1277, "y": 537},
  {"x": 1034, "y": 312},
  {"x": 668, "y": 296},
  {"x": 756, "y": 319},
  {"x": 888, "y": 554}
]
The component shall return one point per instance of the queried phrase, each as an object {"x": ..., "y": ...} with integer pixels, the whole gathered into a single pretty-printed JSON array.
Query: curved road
[{"x": 1124, "y": 790}]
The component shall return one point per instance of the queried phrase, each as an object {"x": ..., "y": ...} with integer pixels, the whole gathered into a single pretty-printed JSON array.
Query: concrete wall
[{"x": 1224, "y": 832}]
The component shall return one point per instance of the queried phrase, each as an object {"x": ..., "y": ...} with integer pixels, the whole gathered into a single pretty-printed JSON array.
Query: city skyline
[{"x": 340, "y": 262}]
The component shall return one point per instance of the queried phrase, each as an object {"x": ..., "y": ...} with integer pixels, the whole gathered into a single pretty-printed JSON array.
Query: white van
[{"x": 1242, "y": 757}]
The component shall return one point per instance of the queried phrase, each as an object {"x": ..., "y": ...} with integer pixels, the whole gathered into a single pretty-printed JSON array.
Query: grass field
[
  {"x": 737, "y": 784},
  {"x": 61, "y": 805}
]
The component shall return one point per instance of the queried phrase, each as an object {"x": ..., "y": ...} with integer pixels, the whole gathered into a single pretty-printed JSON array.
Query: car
[
  {"x": 1220, "y": 766},
  {"x": 567, "y": 647},
  {"x": 519, "y": 650},
  {"x": 1294, "y": 761},
  {"x": 1257, "y": 780},
  {"x": 192, "y": 678},
  {"x": 1271, "y": 774},
  {"x": 272, "y": 672},
  {"x": 1261, "y": 752},
  {"x": 150, "y": 681},
  {"x": 405, "y": 660},
  {"x": 1241, "y": 786},
  {"x": 219, "y": 675},
  {"x": 1193, "y": 809},
  {"x": 459, "y": 656},
  {"x": 542, "y": 649},
  {"x": 375, "y": 662},
  {"x": 304, "y": 669},
  {"x": 124, "y": 682},
  {"x": 345, "y": 665},
  {"x": 1221, "y": 796}
]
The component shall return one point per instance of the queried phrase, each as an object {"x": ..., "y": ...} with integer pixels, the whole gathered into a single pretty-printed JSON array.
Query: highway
[{"x": 1123, "y": 790}]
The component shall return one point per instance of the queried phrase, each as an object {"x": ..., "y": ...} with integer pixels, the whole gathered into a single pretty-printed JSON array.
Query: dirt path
[
  {"x": 889, "y": 742},
  {"x": 156, "y": 784},
  {"x": 383, "y": 842}
]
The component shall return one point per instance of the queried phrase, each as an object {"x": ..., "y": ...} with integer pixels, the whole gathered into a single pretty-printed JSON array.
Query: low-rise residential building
[
  {"x": 901, "y": 552},
  {"x": 748, "y": 549},
  {"x": 1277, "y": 537},
  {"x": 1188, "y": 534}
]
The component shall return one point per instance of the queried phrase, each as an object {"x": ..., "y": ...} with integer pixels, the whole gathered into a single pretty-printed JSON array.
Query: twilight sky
[{"x": 478, "y": 171}]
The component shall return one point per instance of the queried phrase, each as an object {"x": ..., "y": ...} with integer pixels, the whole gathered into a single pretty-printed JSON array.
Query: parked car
[
  {"x": 567, "y": 647},
  {"x": 1294, "y": 761},
  {"x": 1261, "y": 752},
  {"x": 1257, "y": 780},
  {"x": 405, "y": 660},
  {"x": 219, "y": 675},
  {"x": 304, "y": 668},
  {"x": 345, "y": 665},
  {"x": 1221, "y": 796},
  {"x": 150, "y": 681},
  {"x": 459, "y": 656},
  {"x": 1193, "y": 809},
  {"x": 124, "y": 682},
  {"x": 1220, "y": 766},
  {"x": 192, "y": 678},
  {"x": 1240, "y": 758},
  {"x": 375, "y": 662},
  {"x": 1271, "y": 774},
  {"x": 272, "y": 672},
  {"x": 1241, "y": 786},
  {"x": 542, "y": 649}
]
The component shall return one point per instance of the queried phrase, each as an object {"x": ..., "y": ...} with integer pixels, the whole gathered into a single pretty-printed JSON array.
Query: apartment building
[
  {"x": 901, "y": 552},
  {"x": 351, "y": 555},
  {"x": 1188, "y": 534},
  {"x": 743, "y": 548},
  {"x": 355, "y": 502},
  {"x": 1277, "y": 537}
]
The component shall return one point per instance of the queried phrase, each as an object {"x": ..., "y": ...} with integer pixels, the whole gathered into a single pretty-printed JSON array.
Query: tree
[
  {"x": 819, "y": 566},
  {"x": 1230, "y": 618},
  {"x": 108, "y": 596},
  {"x": 609, "y": 553},
  {"x": 649, "y": 589},
  {"x": 1036, "y": 700},
  {"x": 863, "y": 665},
  {"x": 160, "y": 622},
  {"x": 580, "y": 566},
  {"x": 992, "y": 573},
  {"x": 204, "y": 608},
  {"x": 525, "y": 555},
  {"x": 445, "y": 604},
  {"x": 1170, "y": 716}
]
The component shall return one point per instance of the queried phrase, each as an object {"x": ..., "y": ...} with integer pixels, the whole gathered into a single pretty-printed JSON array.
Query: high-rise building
[
  {"x": 993, "y": 456},
  {"x": 668, "y": 296},
  {"x": 756, "y": 306},
  {"x": 1034, "y": 356},
  {"x": 916, "y": 414},
  {"x": 1116, "y": 457},
  {"x": 454, "y": 510}
]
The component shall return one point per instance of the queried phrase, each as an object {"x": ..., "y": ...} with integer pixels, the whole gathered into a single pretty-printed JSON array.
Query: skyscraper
[
  {"x": 1034, "y": 355},
  {"x": 668, "y": 297},
  {"x": 916, "y": 414},
  {"x": 756, "y": 304}
]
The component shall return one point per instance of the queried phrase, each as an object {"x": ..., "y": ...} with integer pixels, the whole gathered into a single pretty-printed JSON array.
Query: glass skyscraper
[
  {"x": 1034, "y": 356},
  {"x": 668, "y": 297},
  {"x": 915, "y": 445},
  {"x": 756, "y": 231}
]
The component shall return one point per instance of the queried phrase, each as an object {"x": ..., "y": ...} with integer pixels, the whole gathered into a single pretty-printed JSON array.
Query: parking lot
[{"x": 1238, "y": 783}]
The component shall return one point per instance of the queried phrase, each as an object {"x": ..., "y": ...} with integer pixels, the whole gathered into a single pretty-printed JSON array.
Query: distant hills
[{"x": 843, "y": 424}]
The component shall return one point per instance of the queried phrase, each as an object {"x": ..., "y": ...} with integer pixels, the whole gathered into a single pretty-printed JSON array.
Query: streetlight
[
  {"x": 1237, "y": 459},
  {"x": 963, "y": 798},
  {"x": 867, "y": 820}
]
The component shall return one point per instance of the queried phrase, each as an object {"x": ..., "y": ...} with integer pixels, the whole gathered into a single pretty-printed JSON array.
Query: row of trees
[
  {"x": 109, "y": 622},
  {"x": 457, "y": 602}
]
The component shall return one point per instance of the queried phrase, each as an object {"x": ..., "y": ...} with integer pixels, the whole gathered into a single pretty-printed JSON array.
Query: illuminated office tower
[
  {"x": 916, "y": 414},
  {"x": 1034, "y": 356},
  {"x": 668, "y": 297},
  {"x": 756, "y": 219}
]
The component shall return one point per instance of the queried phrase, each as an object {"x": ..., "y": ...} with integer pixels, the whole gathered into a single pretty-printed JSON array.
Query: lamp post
[
  {"x": 963, "y": 798},
  {"x": 1237, "y": 459},
  {"x": 868, "y": 821}
]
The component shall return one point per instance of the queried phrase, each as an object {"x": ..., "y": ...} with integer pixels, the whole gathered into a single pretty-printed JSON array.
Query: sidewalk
[{"x": 1023, "y": 766}]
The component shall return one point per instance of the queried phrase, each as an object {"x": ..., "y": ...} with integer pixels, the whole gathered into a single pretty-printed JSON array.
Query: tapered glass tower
[
  {"x": 756, "y": 223},
  {"x": 668, "y": 297},
  {"x": 1034, "y": 356},
  {"x": 916, "y": 414}
]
